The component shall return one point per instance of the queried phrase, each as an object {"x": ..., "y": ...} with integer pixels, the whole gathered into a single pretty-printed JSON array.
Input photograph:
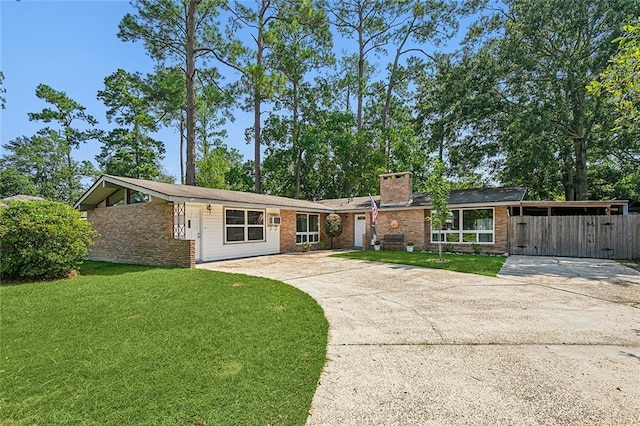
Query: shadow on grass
[
  {"x": 88, "y": 267},
  {"x": 91, "y": 267}
]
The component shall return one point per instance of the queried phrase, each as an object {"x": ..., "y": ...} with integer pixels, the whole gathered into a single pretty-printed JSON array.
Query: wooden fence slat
[{"x": 607, "y": 237}]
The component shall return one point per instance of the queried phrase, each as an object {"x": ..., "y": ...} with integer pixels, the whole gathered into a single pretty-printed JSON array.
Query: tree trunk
[
  {"x": 567, "y": 178},
  {"x": 181, "y": 149},
  {"x": 580, "y": 148},
  {"x": 257, "y": 142},
  {"x": 387, "y": 100},
  {"x": 257, "y": 98},
  {"x": 296, "y": 139},
  {"x": 190, "y": 177},
  {"x": 360, "y": 68},
  {"x": 70, "y": 174}
]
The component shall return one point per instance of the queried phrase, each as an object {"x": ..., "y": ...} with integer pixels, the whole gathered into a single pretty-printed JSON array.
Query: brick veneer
[
  {"x": 500, "y": 235},
  {"x": 288, "y": 231},
  {"x": 345, "y": 239},
  {"x": 410, "y": 223},
  {"x": 139, "y": 233},
  {"x": 396, "y": 188}
]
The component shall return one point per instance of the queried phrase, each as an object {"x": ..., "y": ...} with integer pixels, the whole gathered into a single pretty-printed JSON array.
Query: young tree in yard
[
  {"x": 332, "y": 227},
  {"x": 129, "y": 150},
  {"x": 67, "y": 114},
  {"x": 438, "y": 189},
  {"x": 173, "y": 32}
]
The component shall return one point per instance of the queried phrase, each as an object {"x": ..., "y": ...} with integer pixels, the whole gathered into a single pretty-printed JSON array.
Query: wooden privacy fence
[{"x": 604, "y": 237}]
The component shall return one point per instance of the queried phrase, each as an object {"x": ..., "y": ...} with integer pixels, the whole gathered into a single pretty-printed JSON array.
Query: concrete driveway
[{"x": 550, "y": 341}]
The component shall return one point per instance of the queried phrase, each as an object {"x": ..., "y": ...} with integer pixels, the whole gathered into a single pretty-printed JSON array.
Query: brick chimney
[{"x": 396, "y": 189}]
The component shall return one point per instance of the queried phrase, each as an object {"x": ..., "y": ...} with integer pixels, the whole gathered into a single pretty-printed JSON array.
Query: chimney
[{"x": 396, "y": 189}]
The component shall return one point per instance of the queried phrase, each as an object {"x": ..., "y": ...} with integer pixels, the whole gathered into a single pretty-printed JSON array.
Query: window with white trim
[
  {"x": 307, "y": 228},
  {"x": 243, "y": 225},
  {"x": 467, "y": 226}
]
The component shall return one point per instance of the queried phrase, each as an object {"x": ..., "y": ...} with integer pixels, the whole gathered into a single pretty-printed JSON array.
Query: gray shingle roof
[
  {"x": 477, "y": 196},
  {"x": 183, "y": 193},
  {"x": 350, "y": 204},
  {"x": 486, "y": 196}
]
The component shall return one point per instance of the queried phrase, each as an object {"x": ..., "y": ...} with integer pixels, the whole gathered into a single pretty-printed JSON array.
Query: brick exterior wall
[
  {"x": 288, "y": 231},
  {"x": 139, "y": 233},
  {"x": 409, "y": 223},
  {"x": 396, "y": 188},
  {"x": 345, "y": 239},
  {"x": 500, "y": 237}
]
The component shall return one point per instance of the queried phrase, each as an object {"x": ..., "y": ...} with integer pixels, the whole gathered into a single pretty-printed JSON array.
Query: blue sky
[{"x": 72, "y": 46}]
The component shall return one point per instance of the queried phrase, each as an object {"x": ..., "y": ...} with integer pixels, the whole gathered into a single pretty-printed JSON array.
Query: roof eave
[
  {"x": 228, "y": 203},
  {"x": 429, "y": 207}
]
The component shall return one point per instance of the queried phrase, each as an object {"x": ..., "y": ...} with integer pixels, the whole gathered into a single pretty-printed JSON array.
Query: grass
[
  {"x": 127, "y": 344},
  {"x": 469, "y": 263}
]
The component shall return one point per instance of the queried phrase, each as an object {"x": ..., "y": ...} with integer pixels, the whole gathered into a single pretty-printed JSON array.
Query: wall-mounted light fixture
[{"x": 209, "y": 208}]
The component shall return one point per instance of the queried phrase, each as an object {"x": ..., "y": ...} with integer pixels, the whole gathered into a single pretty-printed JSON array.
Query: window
[
  {"x": 307, "y": 228},
  {"x": 116, "y": 198},
  {"x": 243, "y": 225},
  {"x": 477, "y": 227},
  {"x": 137, "y": 197}
]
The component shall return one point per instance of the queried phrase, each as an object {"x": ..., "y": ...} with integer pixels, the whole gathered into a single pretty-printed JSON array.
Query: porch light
[{"x": 209, "y": 208}]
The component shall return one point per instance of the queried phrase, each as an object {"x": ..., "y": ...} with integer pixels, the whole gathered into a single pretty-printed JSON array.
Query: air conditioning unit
[{"x": 275, "y": 220}]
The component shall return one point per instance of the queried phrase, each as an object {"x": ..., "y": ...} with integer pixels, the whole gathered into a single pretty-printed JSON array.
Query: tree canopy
[{"x": 542, "y": 94}]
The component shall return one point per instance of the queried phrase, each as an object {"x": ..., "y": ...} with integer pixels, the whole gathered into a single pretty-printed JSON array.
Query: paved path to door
[{"x": 550, "y": 341}]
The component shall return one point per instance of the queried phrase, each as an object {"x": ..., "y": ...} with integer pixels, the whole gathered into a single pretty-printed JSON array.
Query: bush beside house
[{"x": 42, "y": 240}]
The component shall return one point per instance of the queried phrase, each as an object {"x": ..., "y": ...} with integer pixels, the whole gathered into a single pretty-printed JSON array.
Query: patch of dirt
[{"x": 136, "y": 316}]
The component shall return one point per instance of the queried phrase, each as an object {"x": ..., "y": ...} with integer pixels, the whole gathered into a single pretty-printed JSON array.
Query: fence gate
[{"x": 604, "y": 237}]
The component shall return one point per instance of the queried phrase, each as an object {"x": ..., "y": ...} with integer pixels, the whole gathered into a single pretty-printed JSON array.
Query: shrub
[
  {"x": 42, "y": 240},
  {"x": 476, "y": 248},
  {"x": 332, "y": 226}
]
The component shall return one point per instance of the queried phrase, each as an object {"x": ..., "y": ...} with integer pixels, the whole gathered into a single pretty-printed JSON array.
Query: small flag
[{"x": 374, "y": 211}]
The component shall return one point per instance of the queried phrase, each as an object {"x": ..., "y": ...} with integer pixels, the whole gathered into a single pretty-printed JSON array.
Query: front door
[
  {"x": 193, "y": 229},
  {"x": 359, "y": 230}
]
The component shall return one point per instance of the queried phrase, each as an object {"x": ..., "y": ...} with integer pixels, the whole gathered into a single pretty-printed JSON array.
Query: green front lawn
[
  {"x": 470, "y": 263},
  {"x": 139, "y": 345}
]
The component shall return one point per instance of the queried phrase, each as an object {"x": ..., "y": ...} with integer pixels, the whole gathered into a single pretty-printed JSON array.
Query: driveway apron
[{"x": 549, "y": 341}]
